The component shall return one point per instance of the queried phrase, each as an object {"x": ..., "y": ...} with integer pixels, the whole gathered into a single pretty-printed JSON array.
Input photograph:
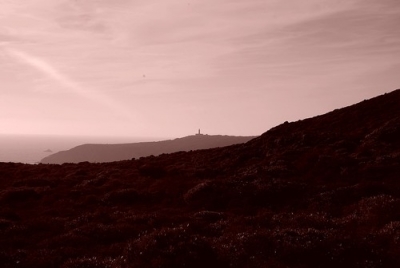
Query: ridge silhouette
[{"x": 117, "y": 152}]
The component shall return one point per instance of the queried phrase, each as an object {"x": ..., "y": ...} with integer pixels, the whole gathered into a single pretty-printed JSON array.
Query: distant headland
[{"x": 116, "y": 152}]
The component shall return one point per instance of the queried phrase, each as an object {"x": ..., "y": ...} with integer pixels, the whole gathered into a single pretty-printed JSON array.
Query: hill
[
  {"x": 320, "y": 192},
  {"x": 116, "y": 152}
]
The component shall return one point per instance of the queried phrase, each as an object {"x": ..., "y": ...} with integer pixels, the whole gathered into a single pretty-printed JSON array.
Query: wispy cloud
[
  {"x": 165, "y": 58},
  {"x": 66, "y": 82}
]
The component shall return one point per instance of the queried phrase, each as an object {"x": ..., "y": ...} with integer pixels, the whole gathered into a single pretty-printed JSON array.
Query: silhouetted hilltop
[
  {"x": 116, "y": 152},
  {"x": 320, "y": 192}
]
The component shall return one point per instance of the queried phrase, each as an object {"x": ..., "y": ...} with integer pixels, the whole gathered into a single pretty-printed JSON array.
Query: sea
[{"x": 30, "y": 149}]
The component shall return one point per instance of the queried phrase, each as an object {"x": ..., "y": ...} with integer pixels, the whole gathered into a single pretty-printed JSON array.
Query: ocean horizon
[{"x": 31, "y": 149}]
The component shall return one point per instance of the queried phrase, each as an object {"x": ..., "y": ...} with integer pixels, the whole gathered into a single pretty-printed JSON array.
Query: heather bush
[
  {"x": 36, "y": 182},
  {"x": 95, "y": 262},
  {"x": 152, "y": 171},
  {"x": 11, "y": 259},
  {"x": 170, "y": 247},
  {"x": 19, "y": 195},
  {"x": 203, "y": 194},
  {"x": 124, "y": 196}
]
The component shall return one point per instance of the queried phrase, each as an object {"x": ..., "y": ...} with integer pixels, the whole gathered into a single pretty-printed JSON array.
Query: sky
[{"x": 136, "y": 68}]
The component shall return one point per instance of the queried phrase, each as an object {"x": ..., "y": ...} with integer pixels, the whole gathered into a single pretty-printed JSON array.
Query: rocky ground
[{"x": 321, "y": 192}]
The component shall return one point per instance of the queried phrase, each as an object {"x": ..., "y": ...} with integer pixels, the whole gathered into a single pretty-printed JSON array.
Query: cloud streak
[
  {"x": 177, "y": 60},
  {"x": 52, "y": 72}
]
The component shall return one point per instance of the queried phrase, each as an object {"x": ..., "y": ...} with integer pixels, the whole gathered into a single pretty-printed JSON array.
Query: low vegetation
[{"x": 322, "y": 192}]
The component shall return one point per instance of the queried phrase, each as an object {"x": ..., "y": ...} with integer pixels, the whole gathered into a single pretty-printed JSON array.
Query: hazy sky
[{"x": 166, "y": 68}]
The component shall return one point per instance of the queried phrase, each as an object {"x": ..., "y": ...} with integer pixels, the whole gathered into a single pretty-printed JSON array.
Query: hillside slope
[
  {"x": 320, "y": 192},
  {"x": 116, "y": 152}
]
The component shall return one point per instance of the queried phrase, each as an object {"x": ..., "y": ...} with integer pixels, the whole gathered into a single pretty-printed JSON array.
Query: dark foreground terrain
[{"x": 321, "y": 192}]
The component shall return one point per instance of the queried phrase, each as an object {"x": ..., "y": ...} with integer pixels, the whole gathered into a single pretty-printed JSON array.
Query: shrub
[
  {"x": 124, "y": 196},
  {"x": 171, "y": 247},
  {"x": 16, "y": 195},
  {"x": 95, "y": 262},
  {"x": 152, "y": 171}
]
